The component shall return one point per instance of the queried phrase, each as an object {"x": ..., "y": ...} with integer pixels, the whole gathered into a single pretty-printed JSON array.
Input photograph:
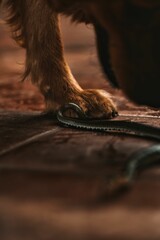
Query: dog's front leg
[{"x": 47, "y": 67}]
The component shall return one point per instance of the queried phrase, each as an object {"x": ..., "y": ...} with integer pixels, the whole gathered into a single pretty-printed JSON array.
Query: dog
[
  {"x": 130, "y": 57},
  {"x": 128, "y": 37}
]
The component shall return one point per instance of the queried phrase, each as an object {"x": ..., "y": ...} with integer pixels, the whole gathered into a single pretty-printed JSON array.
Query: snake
[
  {"x": 109, "y": 126},
  {"x": 138, "y": 161}
]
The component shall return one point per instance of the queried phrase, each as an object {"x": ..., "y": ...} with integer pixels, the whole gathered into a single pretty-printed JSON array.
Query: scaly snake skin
[
  {"x": 142, "y": 159},
  {"x": 108, "y": 126}
]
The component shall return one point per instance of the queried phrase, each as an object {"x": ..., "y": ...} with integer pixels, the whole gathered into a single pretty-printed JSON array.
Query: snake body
[
  {"x": 108, "y": 126},
  {"x": 142, "y": 159}
]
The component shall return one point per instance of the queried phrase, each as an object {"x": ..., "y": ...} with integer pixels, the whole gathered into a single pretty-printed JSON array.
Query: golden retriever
[{"x": 130, "y": 56}]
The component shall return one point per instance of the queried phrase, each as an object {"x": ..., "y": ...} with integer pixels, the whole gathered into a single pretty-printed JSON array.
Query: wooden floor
[{"x": 55, "y": 183}]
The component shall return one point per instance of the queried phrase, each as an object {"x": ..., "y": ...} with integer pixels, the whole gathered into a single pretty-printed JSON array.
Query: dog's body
[{"x": 35, "y": 27}]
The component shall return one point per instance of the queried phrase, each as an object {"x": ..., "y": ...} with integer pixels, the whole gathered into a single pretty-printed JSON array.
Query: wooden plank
[{"x": 57, "y": 186}]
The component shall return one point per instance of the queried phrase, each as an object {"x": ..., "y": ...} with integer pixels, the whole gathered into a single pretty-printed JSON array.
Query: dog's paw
[{"x": 94, "y": 103}]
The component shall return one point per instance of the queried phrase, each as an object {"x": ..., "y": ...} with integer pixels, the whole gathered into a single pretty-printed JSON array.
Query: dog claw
[{"x": 114, "y": 114}]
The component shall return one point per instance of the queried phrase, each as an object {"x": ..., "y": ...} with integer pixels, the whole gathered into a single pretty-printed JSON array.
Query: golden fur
[
  {"x": 133, "y": 46},
  {"x": 35, "y": 26}
]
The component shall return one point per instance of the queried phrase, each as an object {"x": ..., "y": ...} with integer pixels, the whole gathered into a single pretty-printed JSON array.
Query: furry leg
[{"x": 36, "y": 27}]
